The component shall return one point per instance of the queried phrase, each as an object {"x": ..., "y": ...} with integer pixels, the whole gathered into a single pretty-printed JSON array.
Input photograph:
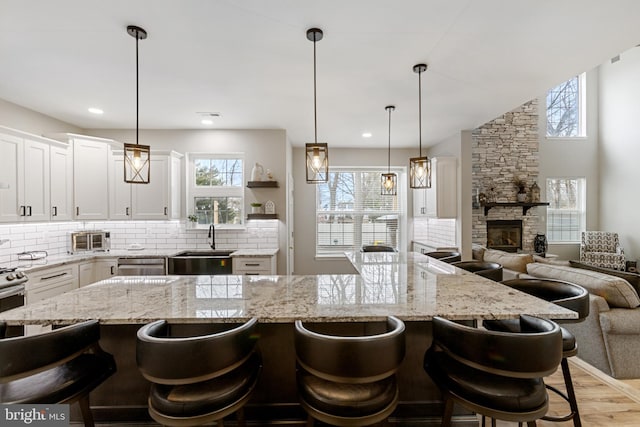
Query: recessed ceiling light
[
  {"x": 94, "y": 110},
  {"x": 206, "y": 121},
  {"x": 367, "y": 135}
]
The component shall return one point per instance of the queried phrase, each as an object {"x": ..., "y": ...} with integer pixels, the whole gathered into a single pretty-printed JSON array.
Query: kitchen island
[{"x": 410, "y": 286}]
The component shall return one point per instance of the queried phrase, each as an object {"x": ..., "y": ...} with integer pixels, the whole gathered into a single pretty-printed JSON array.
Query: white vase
[{"x": 256, "y": 172}]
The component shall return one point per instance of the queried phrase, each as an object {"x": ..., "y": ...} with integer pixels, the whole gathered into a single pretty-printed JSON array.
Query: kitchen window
[
  {"x": 566, "y": 214},
  {"x": 215, "y": 188},
  {"x": 351, "y": 212}
]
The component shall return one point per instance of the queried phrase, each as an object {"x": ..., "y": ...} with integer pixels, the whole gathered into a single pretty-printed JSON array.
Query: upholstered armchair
[{"x": 602, "y": 249}]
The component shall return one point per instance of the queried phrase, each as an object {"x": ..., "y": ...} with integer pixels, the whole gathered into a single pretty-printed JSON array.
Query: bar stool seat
[
  {"x": 377, "y": 248},
  {"x": 490, "y": 270},
  {"x": 61, "y": 366},
  {"x": 445, "y": 256}
]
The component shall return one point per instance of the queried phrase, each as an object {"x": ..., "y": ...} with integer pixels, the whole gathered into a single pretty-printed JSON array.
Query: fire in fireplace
[{"x": 505, "y": 235}]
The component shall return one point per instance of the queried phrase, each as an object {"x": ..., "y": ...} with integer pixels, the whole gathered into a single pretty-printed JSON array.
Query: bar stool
[
  {"x": 490, "y": 270},
  {"x": 60, "y": 366},
  {"x": 496, "y": 374},
  {"x": 198, "y": 379},
  {"x": 445, "y": 256},
  {"x": 377, "y": 248},
  {"x": 349, "y": 380},
  {"x": 567, "y": 295}
]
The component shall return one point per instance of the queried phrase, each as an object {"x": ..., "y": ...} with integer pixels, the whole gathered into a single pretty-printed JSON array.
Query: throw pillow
[
  {"x": 552, "y": 261},
  {"x": 477, "y": 252},
  {"x": 511, "y": 261},
  {"x": 615, "y": 290},
  {"x": 632, "y": 278}
]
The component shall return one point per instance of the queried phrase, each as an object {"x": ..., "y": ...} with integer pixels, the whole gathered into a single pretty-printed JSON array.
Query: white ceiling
[{"x": 250, "y": 60}]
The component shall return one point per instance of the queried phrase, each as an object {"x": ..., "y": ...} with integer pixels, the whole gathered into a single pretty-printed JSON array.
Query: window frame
[
  {"x": 581, "y": 199},
  {"x": 400, "y": 211},
  {"x": 582, "y": 111},
  {"x": 194, "y": 191}
]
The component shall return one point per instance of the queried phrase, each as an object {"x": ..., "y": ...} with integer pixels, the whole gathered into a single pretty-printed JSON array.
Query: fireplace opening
[{"x": 505, "y": 235}]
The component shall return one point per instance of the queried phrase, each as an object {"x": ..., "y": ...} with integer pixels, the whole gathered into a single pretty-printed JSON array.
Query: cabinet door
[
  {"x": 151, "y": 201},
  {"x": 419, "y": 202},
  {"x": 105, "y": 269},
  {"x": 91, "y": 179},
  {"x": 61, "y": 183},
  {"x": 441, "y": 198},
  {"x": 36, "y": 181},
  {"x": 120, "y": 194},
  {"x": 11, "y": 192},
  {"x": 86, "y": 273},
  {"x": 175, "y": 192}
]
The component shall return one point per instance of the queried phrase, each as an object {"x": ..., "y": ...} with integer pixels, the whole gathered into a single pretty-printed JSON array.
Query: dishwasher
[{"x": 141, "y": 266}]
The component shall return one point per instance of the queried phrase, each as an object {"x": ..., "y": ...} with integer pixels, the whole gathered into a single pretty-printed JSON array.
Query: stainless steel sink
[{"x": 205, "y": 253}]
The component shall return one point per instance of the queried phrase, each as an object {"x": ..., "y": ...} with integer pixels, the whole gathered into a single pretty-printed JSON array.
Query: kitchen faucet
[{"x": 212, "y": 236}]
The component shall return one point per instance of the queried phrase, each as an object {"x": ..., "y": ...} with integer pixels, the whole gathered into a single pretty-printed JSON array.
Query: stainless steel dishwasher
[{"x": 142, "y": 266}]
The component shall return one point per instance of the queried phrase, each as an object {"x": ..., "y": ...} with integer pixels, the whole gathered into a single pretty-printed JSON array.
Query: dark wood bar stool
[
  {"x": 496, "y": 374},
  {"x": 445, "y": 256},
  {"x": 568, "y": 295},
  {"x": 490, "y": 270},
  {"x": 198, "y": 379},
  {"x": 349, "y": 380},
  {"x": 61, "y": 366}
]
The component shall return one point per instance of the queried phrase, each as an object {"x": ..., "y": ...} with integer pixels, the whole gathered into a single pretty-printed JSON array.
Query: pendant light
[
  {"x": 420, "y": 167},
  {"x": 136, "y": 156},
  {"x": 389, "y": 181},
  {"x": 317, "y": 153}
]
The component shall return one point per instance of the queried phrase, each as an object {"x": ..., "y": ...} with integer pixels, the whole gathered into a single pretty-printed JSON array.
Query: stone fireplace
[{"x": 505, "y": 235}]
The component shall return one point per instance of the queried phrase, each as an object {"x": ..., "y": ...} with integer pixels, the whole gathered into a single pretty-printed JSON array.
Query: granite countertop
[{"x": 408, "y": 285}]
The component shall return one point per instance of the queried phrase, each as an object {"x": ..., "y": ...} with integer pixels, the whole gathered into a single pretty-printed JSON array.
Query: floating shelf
[
  {"x": 262, "y": 216},
  {"x": 525, "y": 206},
  {"x": 262, "y": 184}
]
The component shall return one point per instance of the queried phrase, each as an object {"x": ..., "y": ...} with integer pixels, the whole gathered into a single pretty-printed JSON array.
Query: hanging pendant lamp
[
  {"x": 420, "y": 167},
  {"x": 389, "y": 183},
  {"x": 136, "y": 156},
  {"x": 316, "y": 153}
]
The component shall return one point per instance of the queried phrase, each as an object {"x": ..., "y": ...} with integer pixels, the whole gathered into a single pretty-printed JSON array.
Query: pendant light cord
[
  {"x": 137, "y": 88},
  {"x": 420, "y": 109},
  {"x": 389, "y": 149},
  {"x": 315, "y": 108}
]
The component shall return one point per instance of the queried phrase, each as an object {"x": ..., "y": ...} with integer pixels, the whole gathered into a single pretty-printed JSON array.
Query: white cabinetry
[
  {"x": 254, "y": 265},
  {"x": 441, "y": 200},
  {"x": 51, "y": 282},
  {"x": 61, "y": 183},
  {"x": 160, "y": 199},
  {"x": 24, "y": 177},
  {"x": 93, "y": 271},
  {"x": 91, "y": 177}
]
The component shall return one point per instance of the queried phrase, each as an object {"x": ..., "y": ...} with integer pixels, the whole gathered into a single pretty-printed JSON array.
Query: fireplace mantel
[{"x": 525, "y": 206}]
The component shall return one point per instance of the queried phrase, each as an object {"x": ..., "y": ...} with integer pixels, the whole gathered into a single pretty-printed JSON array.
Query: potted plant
[
  {"x": 256, "y": 207},
  {"x": 192, "y": 220},
  {"x": 522, "y": 189}
]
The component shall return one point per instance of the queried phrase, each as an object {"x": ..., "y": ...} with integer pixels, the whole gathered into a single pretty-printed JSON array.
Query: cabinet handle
[
  {"x": 113, "y": 270},
  {"x": 55, "y": 211},
  {"x": 251, "y": 274},
  {"x": 165, "y": 210},
  {"x": 422, "y": 211},
  {"x": 53, "y": 277},
  {"x": 249, "y": 264},
  {"x": 77, "y": 210},
  {"x": 23, "y": 211},
  {"x": 126, "y": 211},
  {"x": 29, "y": 210}
]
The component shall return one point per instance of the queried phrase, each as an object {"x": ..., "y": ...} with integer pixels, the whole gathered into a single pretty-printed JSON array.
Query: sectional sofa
[{"x": 609, "y": 338}]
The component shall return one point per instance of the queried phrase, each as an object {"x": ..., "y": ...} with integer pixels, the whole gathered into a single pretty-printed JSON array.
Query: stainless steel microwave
[{"x": 84, "y": 241}]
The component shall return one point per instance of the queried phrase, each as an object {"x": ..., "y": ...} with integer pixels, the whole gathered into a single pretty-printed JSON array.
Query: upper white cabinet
[
  {"x": 159, "y": 199},
  {"x": 61, "y": 163},
  {"x": 439, "y": 201},
  {"x": 90, "y": 177},
  {"x": 25, "y": 185}
]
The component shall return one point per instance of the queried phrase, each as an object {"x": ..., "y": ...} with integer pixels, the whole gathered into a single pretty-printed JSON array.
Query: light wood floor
[{"x": 602, "y": 400}]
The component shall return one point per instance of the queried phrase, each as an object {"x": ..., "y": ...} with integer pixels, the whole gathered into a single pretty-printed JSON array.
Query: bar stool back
[
  {"x": 349, "y": 380},
  {"x": 490, "y": 270},
  {"x": 445, "y": 256},
  {"x": 61, "y": 366},
  {"x": 198, "y": 379}
]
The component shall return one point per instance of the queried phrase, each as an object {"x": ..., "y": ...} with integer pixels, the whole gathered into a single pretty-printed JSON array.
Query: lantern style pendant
[
  {"x": 316, "y": 153},
  {"x": 389, "y": 181},
  {"x": 420, "y": 167}
]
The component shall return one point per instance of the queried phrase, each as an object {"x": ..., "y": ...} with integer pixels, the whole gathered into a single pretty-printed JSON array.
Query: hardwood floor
[{"x": 602, "y": 400}]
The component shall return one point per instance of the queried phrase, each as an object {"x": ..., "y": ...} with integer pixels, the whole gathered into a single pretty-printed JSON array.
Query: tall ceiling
[{"x": 250, "y": 61}]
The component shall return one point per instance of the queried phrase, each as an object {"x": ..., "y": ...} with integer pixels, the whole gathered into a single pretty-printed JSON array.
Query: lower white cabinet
[
  {"x": 254, "y": 265},
  {"x": 93, "y": 271},
  {"x": 51, "y": 282}
]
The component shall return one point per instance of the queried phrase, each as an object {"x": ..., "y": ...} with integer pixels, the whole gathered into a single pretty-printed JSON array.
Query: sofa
[{"x": 609, "y": 338}]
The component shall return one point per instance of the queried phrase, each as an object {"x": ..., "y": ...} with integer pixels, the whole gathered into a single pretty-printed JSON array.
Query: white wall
[
  {"x": 304, "y": 220},
  {"x": 20, "y": 118},
  {"x": 620, "y": 150},
  {"x": 571, "y": 157}
]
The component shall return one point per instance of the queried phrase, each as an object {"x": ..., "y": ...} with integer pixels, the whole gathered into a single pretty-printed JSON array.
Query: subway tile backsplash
[
  {"x": 434, "y": 231},
  {"x": 53, "y": 237}
]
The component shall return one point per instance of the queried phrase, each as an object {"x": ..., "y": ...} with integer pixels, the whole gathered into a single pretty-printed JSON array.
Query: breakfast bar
[{"x": 409, "y": 285}]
